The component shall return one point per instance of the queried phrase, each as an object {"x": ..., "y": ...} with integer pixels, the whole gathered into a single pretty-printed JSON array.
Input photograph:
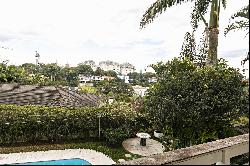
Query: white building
[
  {"x": 110, "y": 65},
  {"x": 97, "y": 78},
  {"x": 123, "y": 69},
  {"x": 140, "y": 90},
  {"x": 84, "y": 79},
  {"x": 152, "y": 79},
  {"x": 88, "y": 79},
  {"x": 123, "y": 77},
  {"x": 127, "y": 68}
]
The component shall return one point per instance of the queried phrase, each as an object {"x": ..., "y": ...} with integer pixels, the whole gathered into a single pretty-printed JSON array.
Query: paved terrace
[
  {"x": 45, "y": 95},
  {"x": 203, "y": 154},
  {"x": 152, "y": 147}
]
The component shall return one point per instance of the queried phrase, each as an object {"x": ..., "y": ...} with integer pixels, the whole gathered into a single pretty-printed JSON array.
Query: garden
[{"x": 189, "y": 105}]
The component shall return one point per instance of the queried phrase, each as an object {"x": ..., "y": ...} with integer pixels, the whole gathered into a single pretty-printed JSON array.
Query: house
[
  {"x": 140, "y": 90},
  {"x": 97, "y": 78},
  {"x": 123, "y": 77},
  {"x": 45, "y": 95},
  {"x": 84, "y": 79},
  {"x": 152, "y": 80},
  {"x": 108, "y": 78}
]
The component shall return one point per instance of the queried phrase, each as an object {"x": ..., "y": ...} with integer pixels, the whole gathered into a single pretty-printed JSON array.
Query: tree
[
  {"x": 188, "y": 49},
  {"x": 30, "y": 68},
  {"x": 196, "y": 53},
  {"x": 200, "y": 8},
  {"x": 110, "y": 73},
  {"x": 192, "y": 104},
  {"x": 51, "y": 70},
  {"x": 84, "y": 69},
  {"x": 12, "y": 73},
  {"x": 116, "y": 88},
  {"x": 71, "y": 76},
  {"x": 99, "y": 72}
]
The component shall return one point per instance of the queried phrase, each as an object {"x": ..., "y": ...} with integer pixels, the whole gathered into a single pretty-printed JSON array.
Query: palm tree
[
  {"x": 240, "y": 22},
  {"x": 200, "y": 8}
]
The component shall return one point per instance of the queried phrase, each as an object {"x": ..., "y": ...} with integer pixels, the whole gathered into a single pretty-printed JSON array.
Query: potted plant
[{"x": 158, "y": 132}]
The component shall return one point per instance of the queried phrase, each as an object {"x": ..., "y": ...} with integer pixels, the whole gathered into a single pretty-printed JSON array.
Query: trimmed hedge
[{"x": 39, "y": 123}]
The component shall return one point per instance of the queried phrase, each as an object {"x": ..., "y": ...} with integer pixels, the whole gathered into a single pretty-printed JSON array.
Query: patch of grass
[{"x": 114, "y": 153}]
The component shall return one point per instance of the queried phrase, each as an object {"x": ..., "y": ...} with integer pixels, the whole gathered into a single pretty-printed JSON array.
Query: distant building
[
  {"x": 123, "y": 77},
  {"x": 127, "y": 68},
  {"x": 152, "y": 80},
  {"x": 108, "y": 78},
  {"x": 84, "y": 79},
  {"x": 88, "y": 79},
  {"x": 123, "y": 69},
  {"x": 110, "y": 65},
  {"x": 97, "y": 78},
  {"x": 140, "y": 90}
]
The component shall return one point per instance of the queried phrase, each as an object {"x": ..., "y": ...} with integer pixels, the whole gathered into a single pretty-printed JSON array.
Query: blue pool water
[{"x": 59, "y": 162}]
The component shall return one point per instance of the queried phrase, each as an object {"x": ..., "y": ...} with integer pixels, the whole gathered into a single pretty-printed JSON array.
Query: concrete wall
[{"x": 219, "y": 152}]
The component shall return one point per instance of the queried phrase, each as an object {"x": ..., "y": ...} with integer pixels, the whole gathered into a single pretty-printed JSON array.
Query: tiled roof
[{"x": 45, "y": 95}]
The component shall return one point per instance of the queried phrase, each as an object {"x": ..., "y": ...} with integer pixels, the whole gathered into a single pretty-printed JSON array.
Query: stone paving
[
  {"x": 93, "y": 157},
  {"x": 152, "y": 147}
]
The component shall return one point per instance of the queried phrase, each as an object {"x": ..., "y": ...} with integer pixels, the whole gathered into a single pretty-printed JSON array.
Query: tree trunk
[
  {"x": 213, "y": 45},
  {"x": 213, "y": 32}
]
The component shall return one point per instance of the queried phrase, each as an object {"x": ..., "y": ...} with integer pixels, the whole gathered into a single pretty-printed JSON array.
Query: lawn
[{"x": 114, "y": 153}]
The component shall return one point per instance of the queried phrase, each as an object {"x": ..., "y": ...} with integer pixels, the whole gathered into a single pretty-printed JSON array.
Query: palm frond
[
  {"x": 157, "y": 8},
  {"x": 200, "y": 9},
  {"x": 237, "y": 25},
  {"x": 242, "y": 24},
  {"x": 244, "y": 13},
  {"x": 224, "y": 3}
]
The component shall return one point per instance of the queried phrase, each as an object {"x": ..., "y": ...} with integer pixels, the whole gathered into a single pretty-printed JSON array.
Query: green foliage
[
  {"x": 99, "y": 72},
  {"x": 188, "y": 49},
  {"x": 141, "y": 78},
  {"x": 38, "y": 123},
  {"x": 84, "y": 70},
  {"x": 118, "y": 88},
  {"x": 110, "y": 73},
  {"x": 239, "y": 21},
  {"x": 11, "y": 73},
  {"x": 88, "y": 89},
  {"x": 114, "y": 137},
  {"x": 193, "y": 104}
]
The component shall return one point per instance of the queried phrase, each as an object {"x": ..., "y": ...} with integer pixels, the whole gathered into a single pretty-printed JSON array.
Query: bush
[
  {"x": 114, "y": 137},
  {"x": 194, "y": 104},
  {"x": 38, "y": 123}
]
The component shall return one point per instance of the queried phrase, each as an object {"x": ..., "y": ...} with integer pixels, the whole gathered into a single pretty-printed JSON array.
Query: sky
[{"x": 73, "y": 31}]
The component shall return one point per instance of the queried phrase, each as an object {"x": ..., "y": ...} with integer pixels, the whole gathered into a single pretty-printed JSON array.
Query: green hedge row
[{"x": 38, "y": 123}]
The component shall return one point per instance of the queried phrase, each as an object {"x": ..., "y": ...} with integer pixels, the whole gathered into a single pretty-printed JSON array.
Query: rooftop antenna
[{"x": 37, "y": 58}]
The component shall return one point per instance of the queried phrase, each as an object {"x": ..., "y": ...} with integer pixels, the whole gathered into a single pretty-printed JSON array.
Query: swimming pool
[{"x": 58, "y": 162}]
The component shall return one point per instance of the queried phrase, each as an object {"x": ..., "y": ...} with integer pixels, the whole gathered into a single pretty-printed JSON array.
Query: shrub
[
  {"x": 38, "y": 123},
  {"x": 114, "y": 137}
]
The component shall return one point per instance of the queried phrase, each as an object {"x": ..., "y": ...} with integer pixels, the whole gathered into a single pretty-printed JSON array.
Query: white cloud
[{"x": 74, "y": 31}]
